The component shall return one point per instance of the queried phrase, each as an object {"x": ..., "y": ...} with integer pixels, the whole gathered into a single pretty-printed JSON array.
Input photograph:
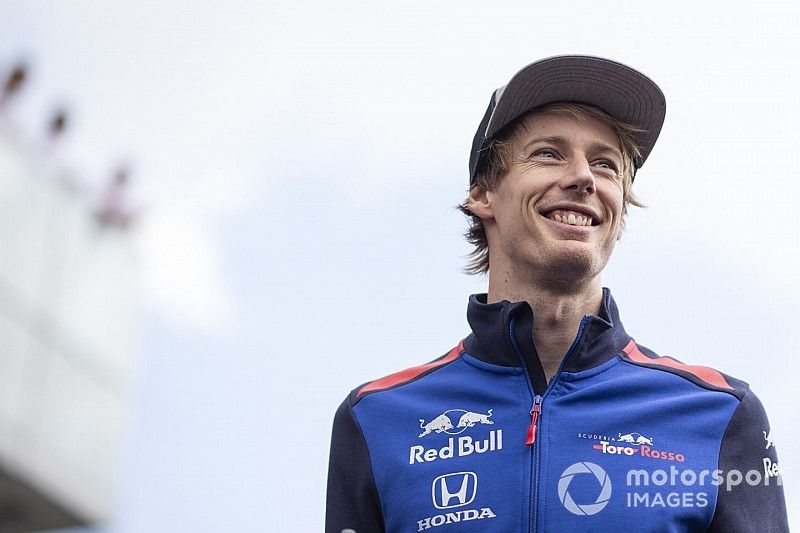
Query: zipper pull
[{"x": 537, "y": 408}]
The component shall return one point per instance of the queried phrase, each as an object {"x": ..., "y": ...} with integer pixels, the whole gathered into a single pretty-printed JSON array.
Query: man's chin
[{"x": 570, "y": 265}]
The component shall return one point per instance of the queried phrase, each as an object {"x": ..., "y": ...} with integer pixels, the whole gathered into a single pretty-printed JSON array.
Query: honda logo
[{"x": 454, "y": 490}]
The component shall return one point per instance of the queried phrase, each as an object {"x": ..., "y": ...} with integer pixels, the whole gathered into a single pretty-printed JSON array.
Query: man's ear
[{"x": 479, "y": 202}]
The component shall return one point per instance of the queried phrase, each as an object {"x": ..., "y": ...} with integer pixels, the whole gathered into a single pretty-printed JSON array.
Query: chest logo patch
[{"x": 454, "y": 421}]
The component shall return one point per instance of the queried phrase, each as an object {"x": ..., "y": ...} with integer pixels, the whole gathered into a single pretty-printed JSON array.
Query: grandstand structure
[{"x": 68, "y": 329}]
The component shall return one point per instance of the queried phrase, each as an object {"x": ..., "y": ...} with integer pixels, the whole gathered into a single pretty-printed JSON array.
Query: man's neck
[{"x": 557, "y": 313}]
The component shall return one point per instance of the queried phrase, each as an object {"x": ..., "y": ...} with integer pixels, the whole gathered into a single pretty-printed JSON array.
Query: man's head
[
  {"x": 508, "y": 147},
  {"x": 576, "y": 104}
]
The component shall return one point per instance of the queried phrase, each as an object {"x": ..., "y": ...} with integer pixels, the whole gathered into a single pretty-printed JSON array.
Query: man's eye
[
  {"x": 545, "y": 153},
  {"x": 607, "y": 164}
]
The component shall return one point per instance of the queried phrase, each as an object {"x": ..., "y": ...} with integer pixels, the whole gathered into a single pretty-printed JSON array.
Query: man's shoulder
[
  {"x": 405, "y": 377},
  {"x": 703, "y": 376}
]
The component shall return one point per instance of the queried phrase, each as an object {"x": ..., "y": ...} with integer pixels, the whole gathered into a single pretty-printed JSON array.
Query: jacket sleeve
[
  {"x": 746, "y": 447},
  {"x": 352, "y": 501}
]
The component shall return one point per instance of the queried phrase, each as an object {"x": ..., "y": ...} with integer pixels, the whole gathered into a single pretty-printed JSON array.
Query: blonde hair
[{"x": 498, "y": 158}]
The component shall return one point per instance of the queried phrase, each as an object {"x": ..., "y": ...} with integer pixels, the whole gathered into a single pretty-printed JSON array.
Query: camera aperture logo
[{"x": 583, "y": 468}]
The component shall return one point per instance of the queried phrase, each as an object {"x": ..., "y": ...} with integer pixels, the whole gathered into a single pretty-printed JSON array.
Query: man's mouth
[{"x": 573, "y": 218}]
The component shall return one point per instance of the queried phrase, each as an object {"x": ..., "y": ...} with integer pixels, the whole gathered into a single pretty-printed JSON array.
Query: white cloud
[{"x": 181, "y": 272}]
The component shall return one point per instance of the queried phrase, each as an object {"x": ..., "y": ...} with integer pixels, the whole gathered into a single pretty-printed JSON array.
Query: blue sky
[{"x": 298, "y": 166}]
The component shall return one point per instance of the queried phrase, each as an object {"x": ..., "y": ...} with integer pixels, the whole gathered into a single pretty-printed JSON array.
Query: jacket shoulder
[
  {"x": 404, "y": 377},
  {"x": 704, "y": 376}
]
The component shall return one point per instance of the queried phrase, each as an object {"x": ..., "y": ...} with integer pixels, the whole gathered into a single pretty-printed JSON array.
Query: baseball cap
[{"x": 622, "y": 92}]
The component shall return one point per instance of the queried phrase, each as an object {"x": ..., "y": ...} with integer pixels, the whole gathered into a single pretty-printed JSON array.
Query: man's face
[{"x": 558, "y": 210}]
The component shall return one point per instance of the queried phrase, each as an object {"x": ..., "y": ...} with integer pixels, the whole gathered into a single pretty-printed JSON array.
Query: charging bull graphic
[
  {"x": 768, "y": 438},
  {"x": 444, "y": 422},
  {"x": 635, "y": 438},
  {"x": 469, "y": 419},
  {"x": 438, "y": 424}
]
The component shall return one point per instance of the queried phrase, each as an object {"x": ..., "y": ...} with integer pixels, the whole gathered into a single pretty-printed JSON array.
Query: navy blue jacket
[{"x": 619, "y": 439}]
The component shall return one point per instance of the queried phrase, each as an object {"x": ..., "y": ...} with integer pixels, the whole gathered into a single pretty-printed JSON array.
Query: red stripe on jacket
[
  {"x": 704, "y": 373},
  {"x": 410, "y": 373}
]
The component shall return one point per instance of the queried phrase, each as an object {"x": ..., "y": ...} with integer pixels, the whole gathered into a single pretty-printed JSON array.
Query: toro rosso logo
[
  {"x": 444, "y": 422},
  {"x": 636, "y": 444}
]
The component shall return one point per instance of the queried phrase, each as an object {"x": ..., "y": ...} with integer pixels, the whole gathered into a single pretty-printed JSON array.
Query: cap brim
[{"x": 620, "y": 91}]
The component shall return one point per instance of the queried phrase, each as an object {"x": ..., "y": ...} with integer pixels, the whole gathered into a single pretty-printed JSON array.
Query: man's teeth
[{"x": 574, "y": 220}]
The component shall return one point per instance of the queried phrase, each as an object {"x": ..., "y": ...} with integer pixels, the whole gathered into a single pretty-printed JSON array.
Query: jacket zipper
[
  {"x": 536, "y": 411},
  {"x": 533, "y": 424}
]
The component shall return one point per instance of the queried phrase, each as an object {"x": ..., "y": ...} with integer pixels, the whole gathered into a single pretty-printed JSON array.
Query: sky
[{"x": 297, "y": 168}]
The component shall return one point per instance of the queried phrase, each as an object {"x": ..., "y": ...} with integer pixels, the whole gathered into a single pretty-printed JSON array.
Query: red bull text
[{"x": 457, "y": 447}]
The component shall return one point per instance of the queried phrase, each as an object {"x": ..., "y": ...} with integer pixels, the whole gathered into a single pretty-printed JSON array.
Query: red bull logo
[
  {"x": 463, "y": 420},
  {"x": 455, "y": 422},
  {"x": 460, "y": 447}
]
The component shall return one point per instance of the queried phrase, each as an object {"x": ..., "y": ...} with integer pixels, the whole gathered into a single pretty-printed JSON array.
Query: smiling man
[{"x": 548, "y": 416}]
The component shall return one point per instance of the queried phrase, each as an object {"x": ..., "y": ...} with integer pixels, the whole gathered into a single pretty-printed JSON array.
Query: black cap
[{"x": 622, "y": 92}]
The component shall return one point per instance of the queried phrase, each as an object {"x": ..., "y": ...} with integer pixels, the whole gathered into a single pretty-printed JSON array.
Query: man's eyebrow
[
  {"x": 601, "y": 146},
  {"x": 555, "y": 139}
]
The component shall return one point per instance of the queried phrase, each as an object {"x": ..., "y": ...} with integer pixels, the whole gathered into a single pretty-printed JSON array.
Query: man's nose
[{"x": 579, "y": 176}]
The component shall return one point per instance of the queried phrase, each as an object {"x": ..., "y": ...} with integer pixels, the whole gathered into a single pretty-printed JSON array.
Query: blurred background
[{"x": 216, "y": 221}]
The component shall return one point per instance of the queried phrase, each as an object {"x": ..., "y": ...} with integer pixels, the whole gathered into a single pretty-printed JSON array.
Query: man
[{"x": 549, "y": 416}]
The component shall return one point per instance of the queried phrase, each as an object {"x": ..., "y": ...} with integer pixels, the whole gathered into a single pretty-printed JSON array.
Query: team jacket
[{"x": 619, "y": 439}]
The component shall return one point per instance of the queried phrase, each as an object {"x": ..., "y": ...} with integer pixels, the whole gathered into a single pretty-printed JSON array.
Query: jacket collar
[{"x": 497, "y": 327}]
